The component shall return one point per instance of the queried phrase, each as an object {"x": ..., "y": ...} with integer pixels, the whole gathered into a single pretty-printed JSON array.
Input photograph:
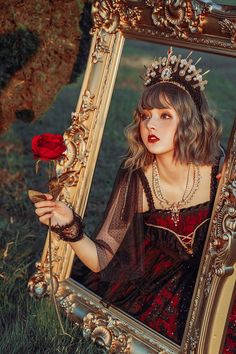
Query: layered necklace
[{"x": 190, "y": 189}]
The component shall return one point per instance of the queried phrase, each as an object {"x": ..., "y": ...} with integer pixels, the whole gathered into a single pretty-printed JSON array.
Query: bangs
[{"x": 160, "y": 96}]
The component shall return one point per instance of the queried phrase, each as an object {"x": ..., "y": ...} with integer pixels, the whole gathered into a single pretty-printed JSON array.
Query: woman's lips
[{"x": 153, "y": 138}]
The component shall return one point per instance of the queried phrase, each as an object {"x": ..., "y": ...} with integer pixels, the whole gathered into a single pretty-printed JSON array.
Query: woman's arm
[
  {"x": 96, "y": 253},
  {"x": 86, "y": 250},
  {"x": 61, "y": 215}
]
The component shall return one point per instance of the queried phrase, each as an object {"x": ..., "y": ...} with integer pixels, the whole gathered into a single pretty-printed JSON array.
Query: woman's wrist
[{"x": 72, "y": 231}]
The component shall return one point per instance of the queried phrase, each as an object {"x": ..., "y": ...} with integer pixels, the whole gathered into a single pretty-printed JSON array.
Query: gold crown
[{"x": 178, "y": 71}]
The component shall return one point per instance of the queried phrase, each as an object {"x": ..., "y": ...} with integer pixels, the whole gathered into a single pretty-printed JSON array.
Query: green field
[
  {"x": 30, "y": 326},
  {"x": 225, "y": 2}
]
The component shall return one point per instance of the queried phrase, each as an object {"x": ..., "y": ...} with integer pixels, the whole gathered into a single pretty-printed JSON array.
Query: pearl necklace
[{"x": 188, "y": 194}]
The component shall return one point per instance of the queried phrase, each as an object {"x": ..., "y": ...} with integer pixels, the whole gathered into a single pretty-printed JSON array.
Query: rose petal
[{"x": 48, "y": 146}]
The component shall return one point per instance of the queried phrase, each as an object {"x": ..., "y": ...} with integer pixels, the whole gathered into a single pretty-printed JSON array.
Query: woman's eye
[
  {"x": 165, "y": 116},
  {"x": 144, "y": 116}
]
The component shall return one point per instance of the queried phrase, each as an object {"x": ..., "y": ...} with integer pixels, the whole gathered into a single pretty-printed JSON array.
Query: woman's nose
[{"x": 151, "y": 123}]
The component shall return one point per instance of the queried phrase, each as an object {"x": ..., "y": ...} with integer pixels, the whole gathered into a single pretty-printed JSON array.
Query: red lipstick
[{"x": 152, "y": 138}]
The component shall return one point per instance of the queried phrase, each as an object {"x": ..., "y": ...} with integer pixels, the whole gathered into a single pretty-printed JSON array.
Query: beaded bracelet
[{"x": 71, "y": 232}]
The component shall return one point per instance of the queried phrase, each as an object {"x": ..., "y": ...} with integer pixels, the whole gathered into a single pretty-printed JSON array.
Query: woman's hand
[
  {"x": 62, "y": 215},
  {"x": 59, "y": 212}
]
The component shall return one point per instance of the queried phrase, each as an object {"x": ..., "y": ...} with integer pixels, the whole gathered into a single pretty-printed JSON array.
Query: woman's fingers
[
  {"x": 46, "y": 210},
  {"x": 45, "y": 218},
  {"x": 48, "y": 196},
  {"x": 59, "y": 212},
  {"x": 45, "y": 203}
]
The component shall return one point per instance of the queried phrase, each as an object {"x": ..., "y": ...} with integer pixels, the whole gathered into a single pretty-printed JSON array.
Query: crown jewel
[{"x": 178, "y": 71}]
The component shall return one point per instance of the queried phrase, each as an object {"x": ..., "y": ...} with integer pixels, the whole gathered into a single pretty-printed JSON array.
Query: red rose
[{"x": 48, "y": 146}]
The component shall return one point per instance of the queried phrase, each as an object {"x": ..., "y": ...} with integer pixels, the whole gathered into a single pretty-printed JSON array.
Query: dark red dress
[
  {"x": 153, "y": 278},
  {"x": 171, "y": 260}
]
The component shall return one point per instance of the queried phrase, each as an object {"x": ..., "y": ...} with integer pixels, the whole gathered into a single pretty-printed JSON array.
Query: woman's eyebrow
[
  {"x": 166, "y": 108},
  {"x": 145, "y": 111}
]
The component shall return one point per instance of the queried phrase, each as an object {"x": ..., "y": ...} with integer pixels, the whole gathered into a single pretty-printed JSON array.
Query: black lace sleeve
[{"x": 120, "y": 234}]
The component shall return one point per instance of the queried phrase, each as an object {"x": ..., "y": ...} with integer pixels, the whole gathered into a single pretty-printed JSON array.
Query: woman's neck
[{"x": 170, "y": 171}]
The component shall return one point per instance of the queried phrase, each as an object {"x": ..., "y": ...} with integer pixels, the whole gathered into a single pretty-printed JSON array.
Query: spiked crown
[{"x": 177, "y": 71}]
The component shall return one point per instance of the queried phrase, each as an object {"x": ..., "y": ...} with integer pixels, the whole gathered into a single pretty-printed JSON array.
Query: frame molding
[{"x": 190, "y": 24}]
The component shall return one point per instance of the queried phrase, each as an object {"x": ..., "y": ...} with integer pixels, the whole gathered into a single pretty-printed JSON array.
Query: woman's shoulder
[
  {"x": 133, "y": 171},
  {"x": 127, "y": 176}
]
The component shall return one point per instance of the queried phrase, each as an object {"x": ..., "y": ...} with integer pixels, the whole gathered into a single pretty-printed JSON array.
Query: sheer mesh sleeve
[{"x": 119, "y": 237}]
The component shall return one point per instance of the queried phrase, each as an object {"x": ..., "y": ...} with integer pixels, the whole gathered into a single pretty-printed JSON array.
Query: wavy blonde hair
[{"x": 197, "y": 138}]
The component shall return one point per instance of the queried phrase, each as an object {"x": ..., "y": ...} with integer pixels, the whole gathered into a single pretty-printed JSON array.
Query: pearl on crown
[
  {"x": 166, "y": 73},
  {"x": 191, "y": 68},
  {"x": 175, "y": 68}
]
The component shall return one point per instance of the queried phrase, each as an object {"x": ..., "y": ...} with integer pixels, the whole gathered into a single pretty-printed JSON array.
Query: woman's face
[{"x": 157, "y": 129}]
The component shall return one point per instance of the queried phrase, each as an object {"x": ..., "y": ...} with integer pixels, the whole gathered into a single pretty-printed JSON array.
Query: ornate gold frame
[{"x": 190, "y": 24}]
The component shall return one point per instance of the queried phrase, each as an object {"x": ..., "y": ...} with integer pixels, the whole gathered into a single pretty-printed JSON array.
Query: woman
[{"x": 158, "y": 214}]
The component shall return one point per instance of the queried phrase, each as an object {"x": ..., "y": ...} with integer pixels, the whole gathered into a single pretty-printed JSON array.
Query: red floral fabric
[
  {"x": 170, "y": 273},
  {"x": 160, "y": 296},
  {"x": 230, "y": 341}
]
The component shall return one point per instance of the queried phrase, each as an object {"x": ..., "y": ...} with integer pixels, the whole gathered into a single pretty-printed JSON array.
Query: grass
[
  {"x": 27, "y": 325},
  {"x": 225, "y": 2}
]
